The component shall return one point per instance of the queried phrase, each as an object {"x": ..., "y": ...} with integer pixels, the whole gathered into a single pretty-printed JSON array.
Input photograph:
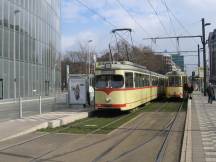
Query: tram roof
[
  {"x": 176, "y": 73},
  {"x": 125, "y": 65}
]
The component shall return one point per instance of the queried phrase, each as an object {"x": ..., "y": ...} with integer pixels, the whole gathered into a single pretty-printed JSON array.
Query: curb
[
  {"x": 51, "y": 124},
  {"x": 33, "y": 129},
  {"x": 186, "y": 152}
]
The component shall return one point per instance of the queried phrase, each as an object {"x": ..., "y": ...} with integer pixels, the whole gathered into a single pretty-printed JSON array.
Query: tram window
[
  {"x": 146, "y": 80},
  {"x": 129, "y": 80},
  {"x": 101, "y": 81},
  {"x": 174, "y": 81},
  {"x": 109, "y": 81},
  {"x": 141, "y": 81},
  {"x": 178, "y": 81},
  {"x": 159, "y": 81},
  {"x": 171, "y": 80},
  {"x": 137, "y": 80},
  {"x": 154, "y": 81},
  {"x": 117, "y": 81}
]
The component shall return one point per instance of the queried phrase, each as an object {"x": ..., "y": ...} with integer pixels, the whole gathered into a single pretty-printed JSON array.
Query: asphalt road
[{"x": 137, "y": 141}]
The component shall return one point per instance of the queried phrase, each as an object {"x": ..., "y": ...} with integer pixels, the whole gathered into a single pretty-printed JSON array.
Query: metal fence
[{"x": 24, "y": 107}]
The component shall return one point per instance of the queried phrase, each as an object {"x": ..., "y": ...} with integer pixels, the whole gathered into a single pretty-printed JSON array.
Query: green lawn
[{"x": 99, "y": 125}]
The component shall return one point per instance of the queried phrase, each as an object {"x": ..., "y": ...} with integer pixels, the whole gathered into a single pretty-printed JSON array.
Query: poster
[{"x": 77, "y": 91}]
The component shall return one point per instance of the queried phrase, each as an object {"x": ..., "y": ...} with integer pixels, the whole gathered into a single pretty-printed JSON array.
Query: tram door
[
  {"x": 46, "y": 88},
  {"x": 1, "y": 89}
]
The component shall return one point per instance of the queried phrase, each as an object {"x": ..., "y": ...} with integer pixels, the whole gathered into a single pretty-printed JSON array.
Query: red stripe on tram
[{"x": 109, "y": 90}]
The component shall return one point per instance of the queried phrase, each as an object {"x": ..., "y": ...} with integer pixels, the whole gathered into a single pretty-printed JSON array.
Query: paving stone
[{"x": 204, "y": 141}]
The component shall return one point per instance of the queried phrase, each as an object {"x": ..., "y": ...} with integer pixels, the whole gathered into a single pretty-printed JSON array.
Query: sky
[{"x": 84, "y": 20}]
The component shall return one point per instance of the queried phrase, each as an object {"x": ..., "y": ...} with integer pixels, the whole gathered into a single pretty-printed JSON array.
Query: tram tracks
[
  {"x": 162, "y": 149},
  {"x": 64, "y": 128},
  {"x": 127, "y": 132}
]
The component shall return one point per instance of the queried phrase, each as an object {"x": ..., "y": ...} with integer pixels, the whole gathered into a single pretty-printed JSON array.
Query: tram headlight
[{"x": 108, "y": 99}]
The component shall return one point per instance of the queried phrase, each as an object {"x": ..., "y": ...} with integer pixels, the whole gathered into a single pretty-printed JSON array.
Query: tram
[
  {"x": 125, "y": 85},
  {"x": 175, "y": 84}
]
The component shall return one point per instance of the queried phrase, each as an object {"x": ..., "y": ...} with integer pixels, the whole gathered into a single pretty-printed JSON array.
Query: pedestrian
[
  {"x": 210, "y": 92},
  {"x": 185, "y": 90},
  {"x": 190, "y": 90}
]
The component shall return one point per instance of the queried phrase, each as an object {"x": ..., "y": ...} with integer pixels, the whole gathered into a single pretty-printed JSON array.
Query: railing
[{"x": 23, "y": 107}]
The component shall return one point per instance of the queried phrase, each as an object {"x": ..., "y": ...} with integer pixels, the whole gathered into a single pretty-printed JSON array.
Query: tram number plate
[{"x": 107, "y": 72}]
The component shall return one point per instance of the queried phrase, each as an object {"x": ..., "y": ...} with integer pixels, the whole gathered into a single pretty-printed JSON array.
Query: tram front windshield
[
  {"x": 174, "y": 81},
  {"x": 109, "y": 81}
]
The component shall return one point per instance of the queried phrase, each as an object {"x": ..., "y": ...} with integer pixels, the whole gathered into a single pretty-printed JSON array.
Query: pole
[
  {"x": 204, "y": 56},
  {"x": 199, "y": 83},
  {"x": 89, "y": 71},
  {"x": 54, "y": 79},
  {"x": 198, "y": 55},
  {"x": 117, "y": 48},
  {"x": 14, "y": 58},
  {"x": 89, "y": 60},
  {"x": 40, "y": 110},
  {"x": 20, "y": 108},
  {"x": 111, "y": 56},
  {"x": 67, "y": 73},
  {"x": 198, "y": 60}
]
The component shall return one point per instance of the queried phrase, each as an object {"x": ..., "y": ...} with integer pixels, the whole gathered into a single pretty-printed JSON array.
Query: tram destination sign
[
  {"x": 107, "y": 72},
  {"x": 108, "y": 66}
]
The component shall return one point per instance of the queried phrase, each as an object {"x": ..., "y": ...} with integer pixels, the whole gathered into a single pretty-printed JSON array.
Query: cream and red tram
[
  {"x": 125, "y": 85},
  {"x": 175, "y": 84}
]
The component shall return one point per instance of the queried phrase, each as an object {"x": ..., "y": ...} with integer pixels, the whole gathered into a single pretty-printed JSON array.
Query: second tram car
[
  {"x": 125, "y": 85},
  {"x": 175, "y": 84}
]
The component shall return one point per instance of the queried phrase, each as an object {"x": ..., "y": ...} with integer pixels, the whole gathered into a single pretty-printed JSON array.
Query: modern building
[
  {"x": 29, "y": 48},
  {"x": 212, "y": 55},
  {"x": 178, "y": 60},
  {"x": 167, "y": 61}
]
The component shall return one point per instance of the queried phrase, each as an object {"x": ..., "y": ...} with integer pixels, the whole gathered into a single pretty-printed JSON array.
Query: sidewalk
[
  {"x": 18, "y": 127},
  {"x": 203, "y": 129}
]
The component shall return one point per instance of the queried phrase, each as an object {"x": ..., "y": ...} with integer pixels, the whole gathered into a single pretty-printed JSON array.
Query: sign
[
  {"x": 77, "y": 91},
  {"x": 108, "y": 66},
  {"x": 107, "y": 72}
]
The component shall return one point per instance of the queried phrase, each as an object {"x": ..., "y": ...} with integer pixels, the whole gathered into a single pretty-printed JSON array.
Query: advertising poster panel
[{"x": 77, "y": 91}]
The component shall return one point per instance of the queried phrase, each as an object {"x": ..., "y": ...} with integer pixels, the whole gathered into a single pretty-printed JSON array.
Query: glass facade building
[
  {"x": 212, "y": 55},
  {"x": 29, "y": 48},
  {"x": 178, "y": 60}
]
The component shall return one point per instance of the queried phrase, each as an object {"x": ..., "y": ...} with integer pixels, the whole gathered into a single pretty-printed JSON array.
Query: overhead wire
[
  {"x": 178, "y": 20},
  {"x": 101, "y": 17},
  {"x": 158, "y": 17},
  {"x": 96, "y": 13},
  {"x": 132, "y": 17},
  {"x": 169, "y": 16},
  {"x": 171, "y": 24}
]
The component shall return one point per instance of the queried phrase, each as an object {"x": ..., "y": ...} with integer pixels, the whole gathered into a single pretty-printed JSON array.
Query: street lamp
[
  {"x": 14, "y": 53},
  {"x": 204, "y": 53}
]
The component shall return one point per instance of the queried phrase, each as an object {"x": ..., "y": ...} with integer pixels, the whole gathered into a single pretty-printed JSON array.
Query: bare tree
[{"x": 77, "y": 61}]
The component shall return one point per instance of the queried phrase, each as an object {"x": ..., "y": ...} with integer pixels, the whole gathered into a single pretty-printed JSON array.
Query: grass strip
[
  {"x": 98, "y": 123},
  {"x": 85, "y": 126}
]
